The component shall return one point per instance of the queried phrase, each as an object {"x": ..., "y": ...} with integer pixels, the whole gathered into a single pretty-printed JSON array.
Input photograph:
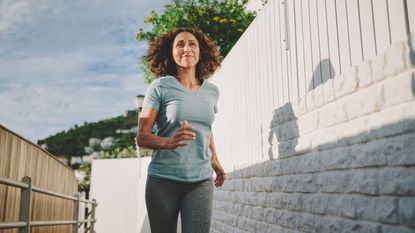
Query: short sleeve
[{"x": 152, "y": 98}]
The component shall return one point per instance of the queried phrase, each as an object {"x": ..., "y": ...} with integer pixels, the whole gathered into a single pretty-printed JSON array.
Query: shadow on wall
[
  {"x": 411, "y": 50},
  {"x": 284, "y": 132},
  {"x": 284, "y": 128},
  {"x": 287, "y": 135},
  {"x": 393, "y": 146},
  {"x": 412, "y": 59},
  {"x": 323, "y": 72},
  {"x": 286, "y": 147},
  {"x": 145, "y": 228}
]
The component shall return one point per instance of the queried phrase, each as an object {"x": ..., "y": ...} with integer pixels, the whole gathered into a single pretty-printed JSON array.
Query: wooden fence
[{"x": 19, "y": 158}]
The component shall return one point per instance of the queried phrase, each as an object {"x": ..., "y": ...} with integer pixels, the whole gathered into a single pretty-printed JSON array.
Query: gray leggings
[{"x": 166, "y": 198}]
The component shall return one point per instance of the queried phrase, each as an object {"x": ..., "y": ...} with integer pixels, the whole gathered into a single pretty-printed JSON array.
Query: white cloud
[
  {"x": 12, "y": 12},
  {"x": 66, "y": 62}
]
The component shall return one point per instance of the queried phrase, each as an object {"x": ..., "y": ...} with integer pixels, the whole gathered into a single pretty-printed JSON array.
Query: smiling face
[{"x": 185, "y": 50}]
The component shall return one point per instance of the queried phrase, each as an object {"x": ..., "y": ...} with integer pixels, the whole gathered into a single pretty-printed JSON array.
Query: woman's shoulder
[
  {"x": 161, "y": 81},
  {"x": 211, "y": 86},
  {"x": 166, "y": 78}
]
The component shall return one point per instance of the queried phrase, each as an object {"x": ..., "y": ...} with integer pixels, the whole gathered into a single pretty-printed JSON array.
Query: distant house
[
  {"x": 129, "y": 113},
  {"x": 76, "y": 159},
  {"x": 62, "y": 158}
]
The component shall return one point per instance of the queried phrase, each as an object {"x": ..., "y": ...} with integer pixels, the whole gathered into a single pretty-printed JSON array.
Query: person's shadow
[
  {"x": 285, "y": 129},
  {"x": 284, "y": 125},
  {"x": 323, "y": 72}
]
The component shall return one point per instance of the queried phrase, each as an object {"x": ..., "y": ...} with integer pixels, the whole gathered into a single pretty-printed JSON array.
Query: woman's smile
[{"x": 187, "y": 55}]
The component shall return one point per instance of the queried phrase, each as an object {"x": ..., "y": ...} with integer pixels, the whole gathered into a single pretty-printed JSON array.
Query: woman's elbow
[{"x": 139, "y": 139}]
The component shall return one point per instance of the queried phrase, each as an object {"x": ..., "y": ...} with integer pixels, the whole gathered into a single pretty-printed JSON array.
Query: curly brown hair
[{"x": 160, "y": 59}]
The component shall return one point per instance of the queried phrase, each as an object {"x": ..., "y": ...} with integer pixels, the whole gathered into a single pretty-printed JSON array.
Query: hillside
[{"x": 73, "y": 141}]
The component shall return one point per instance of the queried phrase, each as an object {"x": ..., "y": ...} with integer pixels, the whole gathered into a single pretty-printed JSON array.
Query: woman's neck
[{"x": 187, "y": 77}]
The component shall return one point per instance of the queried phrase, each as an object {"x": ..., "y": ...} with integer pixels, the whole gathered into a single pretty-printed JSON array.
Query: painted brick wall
[{"x": 342, "y": 159}]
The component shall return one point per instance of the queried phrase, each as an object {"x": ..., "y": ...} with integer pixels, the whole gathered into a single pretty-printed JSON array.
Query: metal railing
[{"x": 24, "y": 224}]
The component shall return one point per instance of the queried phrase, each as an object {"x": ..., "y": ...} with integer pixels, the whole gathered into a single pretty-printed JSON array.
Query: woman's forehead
[{"x": 185, "y": 36}]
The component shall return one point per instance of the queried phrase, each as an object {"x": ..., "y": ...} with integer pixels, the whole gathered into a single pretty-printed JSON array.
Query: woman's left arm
[{"x": 220, "y": 173}]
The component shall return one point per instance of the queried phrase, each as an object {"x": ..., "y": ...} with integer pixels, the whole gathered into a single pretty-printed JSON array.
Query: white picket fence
[{"x": 290, "y": 48}]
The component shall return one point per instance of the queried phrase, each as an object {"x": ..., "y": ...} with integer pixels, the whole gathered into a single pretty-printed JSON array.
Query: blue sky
[{"x": 65, "y": 62}]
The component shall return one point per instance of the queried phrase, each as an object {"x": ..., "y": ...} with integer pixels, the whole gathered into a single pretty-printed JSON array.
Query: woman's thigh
[
  {"x": 162, "y": 200},
  {"x": 196, "y": 208}
]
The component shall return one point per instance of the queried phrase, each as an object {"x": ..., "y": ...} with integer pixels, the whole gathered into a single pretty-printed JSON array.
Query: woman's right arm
[{"x": 145, "y": 137}]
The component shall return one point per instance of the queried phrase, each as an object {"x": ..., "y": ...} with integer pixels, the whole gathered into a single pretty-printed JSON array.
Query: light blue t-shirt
[{"x": 175, "y": 103}]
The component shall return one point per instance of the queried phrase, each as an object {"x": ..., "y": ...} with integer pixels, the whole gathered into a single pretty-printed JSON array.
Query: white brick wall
[{"x": 342, "y": 158}]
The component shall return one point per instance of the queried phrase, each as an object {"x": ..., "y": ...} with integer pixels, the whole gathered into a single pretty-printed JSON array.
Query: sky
[{"x": 65, "y": 62}]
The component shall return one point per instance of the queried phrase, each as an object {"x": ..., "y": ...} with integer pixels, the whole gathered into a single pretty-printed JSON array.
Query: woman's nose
[{"x": 186, "y": 47}]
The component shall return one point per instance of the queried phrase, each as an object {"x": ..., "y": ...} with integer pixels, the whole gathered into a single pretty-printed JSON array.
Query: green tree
[
  {"x": 118, "y": 153},
  {"x": 72, "y": 142},
  {"x": 84, "y": 185},
  {"x": 222, "y": 21}
]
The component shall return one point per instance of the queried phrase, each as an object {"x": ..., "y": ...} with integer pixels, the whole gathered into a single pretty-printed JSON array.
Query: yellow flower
[
  {"x": 149, "y": 19},
  {"x": 232, "y": 20},
  {"x": 216, "y": 18},
  {"x": 223, "y": 21},
  {"x": 240, "y": 30},
  {"x": 139, "y": 35}
]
